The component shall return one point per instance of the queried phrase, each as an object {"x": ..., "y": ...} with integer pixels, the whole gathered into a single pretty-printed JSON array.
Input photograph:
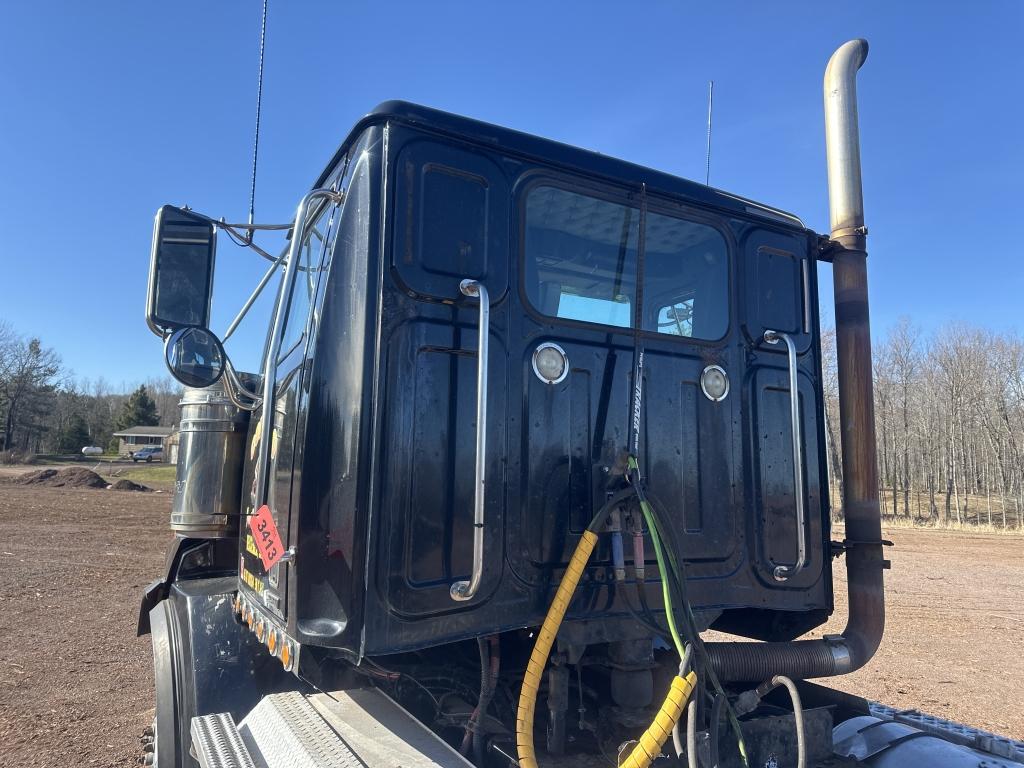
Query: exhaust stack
[{"x": 837, "y": 655}]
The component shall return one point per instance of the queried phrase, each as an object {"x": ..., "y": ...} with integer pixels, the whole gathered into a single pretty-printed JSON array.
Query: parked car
[{"x": 148, "y": 454}]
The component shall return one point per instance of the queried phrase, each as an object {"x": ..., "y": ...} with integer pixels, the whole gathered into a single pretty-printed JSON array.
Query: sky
[{"x": 108, "y": 111}]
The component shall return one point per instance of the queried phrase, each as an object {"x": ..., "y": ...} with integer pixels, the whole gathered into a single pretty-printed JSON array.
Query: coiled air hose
[{"x": 649, "y": 746}]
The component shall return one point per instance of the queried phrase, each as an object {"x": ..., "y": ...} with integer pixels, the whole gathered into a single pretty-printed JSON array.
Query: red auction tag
[{"x": 268, "y": 540}]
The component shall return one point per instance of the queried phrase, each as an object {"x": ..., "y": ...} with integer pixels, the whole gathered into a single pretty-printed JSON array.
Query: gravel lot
[{"x": 76, "y": 684}]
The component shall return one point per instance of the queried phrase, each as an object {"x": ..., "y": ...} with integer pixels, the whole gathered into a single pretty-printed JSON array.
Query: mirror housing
[
  {"x": 180, "y": 271},
  {"x": 195, "y": 356}
]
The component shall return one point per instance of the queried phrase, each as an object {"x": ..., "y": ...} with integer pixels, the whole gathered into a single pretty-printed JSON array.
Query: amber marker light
[
  {"x": 286, "y": 655},
  {"x": 272, "y": 642}
]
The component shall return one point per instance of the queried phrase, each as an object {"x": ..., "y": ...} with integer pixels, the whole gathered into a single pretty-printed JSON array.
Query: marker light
[
  {"x": 272, "y": 642},
  {"x": 714, "y": 383},
  {"x": 261, "y": 630},
  {"x": 286, "y": 655},
  {"x": 248, "y": 616},
  {"x": 550, "y": 363}
]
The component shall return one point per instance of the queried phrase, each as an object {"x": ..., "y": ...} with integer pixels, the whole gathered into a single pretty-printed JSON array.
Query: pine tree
[
  {"x": 138, "y": 411},
  {"x": 74, "y": 436}
]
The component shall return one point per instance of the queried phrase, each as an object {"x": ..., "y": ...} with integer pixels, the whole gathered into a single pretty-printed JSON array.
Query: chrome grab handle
[
  {"x": 783, "y": 572},
  {"x": 465, "y": 590}
]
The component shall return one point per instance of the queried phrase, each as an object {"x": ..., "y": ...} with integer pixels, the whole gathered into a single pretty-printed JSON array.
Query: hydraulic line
[
  {"x": 650, "y": 743},
  {"x": 798, "y": 712},
  {"x": 542, "y": 649}
]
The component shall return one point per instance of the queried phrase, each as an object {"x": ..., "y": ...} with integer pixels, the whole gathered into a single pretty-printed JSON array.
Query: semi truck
[{"x": 530, "y": 421}]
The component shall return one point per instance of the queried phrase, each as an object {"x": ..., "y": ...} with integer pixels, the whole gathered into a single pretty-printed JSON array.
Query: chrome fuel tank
[{"x": 211, "y": 450}]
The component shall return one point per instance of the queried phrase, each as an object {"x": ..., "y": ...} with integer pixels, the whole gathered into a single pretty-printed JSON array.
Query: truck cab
[{"x": 530, "y": 420}]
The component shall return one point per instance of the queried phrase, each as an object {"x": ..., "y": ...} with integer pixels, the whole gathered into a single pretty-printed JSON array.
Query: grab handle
[
  {"x": 465, "y": 590},
  {"x": 783, "y": 572}
]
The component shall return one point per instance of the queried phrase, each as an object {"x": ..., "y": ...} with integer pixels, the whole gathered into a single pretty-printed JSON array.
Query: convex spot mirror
[
  {"x": 180, "y": 270},
  {"x": 195, "y": 357}
]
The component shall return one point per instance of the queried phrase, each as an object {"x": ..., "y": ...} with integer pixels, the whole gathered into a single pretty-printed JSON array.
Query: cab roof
[{"x": 564, "y": 155}]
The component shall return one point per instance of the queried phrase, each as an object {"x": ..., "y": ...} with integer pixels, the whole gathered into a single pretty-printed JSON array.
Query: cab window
[
  {"x": 686, "y": 278},
  {"x": 580, "y": 254}
]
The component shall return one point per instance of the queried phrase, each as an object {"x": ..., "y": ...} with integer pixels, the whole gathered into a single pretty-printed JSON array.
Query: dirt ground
[{"x": 76, "y": 684}]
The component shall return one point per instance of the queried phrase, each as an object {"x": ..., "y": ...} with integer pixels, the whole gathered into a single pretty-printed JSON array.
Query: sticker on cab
[{"x": 268, "y": 540}]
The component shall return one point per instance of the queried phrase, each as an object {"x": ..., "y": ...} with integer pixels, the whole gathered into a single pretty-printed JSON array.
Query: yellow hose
[
  {"x": 649, "y": 746},
  {"x": 671, "y": 710},
  {"x": 542, "y": 649}
]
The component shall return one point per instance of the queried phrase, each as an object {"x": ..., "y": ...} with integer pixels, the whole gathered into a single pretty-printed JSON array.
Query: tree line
[
  {"x": 949, "y": 416},
  {"x": 949, "y": 420},
  {"x": 44, "y": 409}
]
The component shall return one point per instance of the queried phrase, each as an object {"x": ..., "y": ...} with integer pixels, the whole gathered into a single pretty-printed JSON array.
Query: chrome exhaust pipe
[{"x": 754, "y": 662}]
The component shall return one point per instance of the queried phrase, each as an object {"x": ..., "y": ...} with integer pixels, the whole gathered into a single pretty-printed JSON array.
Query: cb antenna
[
  {"x": 259, "y": 105},
  {"x": 711, "y": 101}
]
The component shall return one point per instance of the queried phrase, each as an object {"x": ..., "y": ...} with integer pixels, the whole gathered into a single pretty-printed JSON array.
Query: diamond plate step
[
  {"x": 341, "y": 729},
  {"x": 218, "y": 744}
]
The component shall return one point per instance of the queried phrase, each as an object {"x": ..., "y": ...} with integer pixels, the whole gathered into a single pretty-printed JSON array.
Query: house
[{"x": 136, "y": 438}]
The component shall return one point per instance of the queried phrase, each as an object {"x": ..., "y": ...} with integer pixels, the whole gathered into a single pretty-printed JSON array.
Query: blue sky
[{"x": 110, "y": 110}]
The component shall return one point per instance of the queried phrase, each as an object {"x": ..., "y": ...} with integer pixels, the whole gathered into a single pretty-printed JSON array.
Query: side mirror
[
  {"x": 180, "y": 271},
  {"x": 195, "y": 357}
]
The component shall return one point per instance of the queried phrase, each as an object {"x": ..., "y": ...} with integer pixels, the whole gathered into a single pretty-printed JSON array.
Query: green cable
[
  {"x": 673, "y": 569},
  {"x": 662, "y": 563}
]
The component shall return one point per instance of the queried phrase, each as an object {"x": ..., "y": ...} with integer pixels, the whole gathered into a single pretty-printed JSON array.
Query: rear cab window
[{"x": 581, "y": 263}]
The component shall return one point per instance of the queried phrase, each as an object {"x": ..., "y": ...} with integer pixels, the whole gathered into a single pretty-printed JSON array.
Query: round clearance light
[
  {"x": 272, "y": 642},
  {"x": 261, "y": 630},
  {"x": 715, "y": 383},
  {"x": 286, "y": 655},
  {"x": 249, "y": 616},
  {"x": 550, "y": 363}
]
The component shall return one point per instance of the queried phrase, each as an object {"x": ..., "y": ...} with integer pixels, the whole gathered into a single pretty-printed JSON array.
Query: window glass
[
  {"x": 453, "y": 235},
  {"x": 686, "y": 278},
  {"x": 308, "y": 265},
  {"x": 580, "y": 256},
  {"x": 778, "y": 290}
]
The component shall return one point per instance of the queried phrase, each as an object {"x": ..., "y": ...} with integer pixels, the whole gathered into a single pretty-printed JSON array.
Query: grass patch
[{"x": 154, "y": 475}]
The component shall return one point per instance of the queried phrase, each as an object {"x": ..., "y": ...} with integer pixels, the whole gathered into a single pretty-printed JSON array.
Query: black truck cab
[{"x": 586, "y": 261}]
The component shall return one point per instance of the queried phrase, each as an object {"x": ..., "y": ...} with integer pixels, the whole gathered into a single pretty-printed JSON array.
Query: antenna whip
[
  {"x": 259, "y": 105},
  {"x": 711, "y": 97}
]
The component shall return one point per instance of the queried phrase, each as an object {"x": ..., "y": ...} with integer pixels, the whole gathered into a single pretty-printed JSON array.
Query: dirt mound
[
  {"x": 39, "y": 477},
  {"x": 128, "y": 485},
  {"x": 72, "y": 477}
]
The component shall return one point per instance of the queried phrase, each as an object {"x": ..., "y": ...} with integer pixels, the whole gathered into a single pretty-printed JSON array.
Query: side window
[
  {"x": 686, "y": 278},
  {"x": 451, "y": 220},
  {"x": 304, "y": 287},
  {"x": 580, "y": 255},
  {"x": 778, "y": 290}
]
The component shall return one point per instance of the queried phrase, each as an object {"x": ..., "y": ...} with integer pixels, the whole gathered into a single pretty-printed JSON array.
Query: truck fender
[{"x": 204, "y": 661}]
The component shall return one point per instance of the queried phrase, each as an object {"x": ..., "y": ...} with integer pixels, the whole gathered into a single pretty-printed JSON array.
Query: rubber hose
[
  {"x": 485, "y": 701},
  {"x": 798, "y": 712},
  {"x": 471, "y": 724},
  {"x": 657, "y": 733},
  {"x": 716, "y": 715},
  {"x": 691, "y": 735},
  {"x": 542, "y": 649},
  {"x": 684, "y": 668}
]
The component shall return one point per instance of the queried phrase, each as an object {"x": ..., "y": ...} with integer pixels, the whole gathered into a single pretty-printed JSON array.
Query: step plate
[
  {"x": 341, "y": 729},
  {"x": 218, "y": 744}
]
